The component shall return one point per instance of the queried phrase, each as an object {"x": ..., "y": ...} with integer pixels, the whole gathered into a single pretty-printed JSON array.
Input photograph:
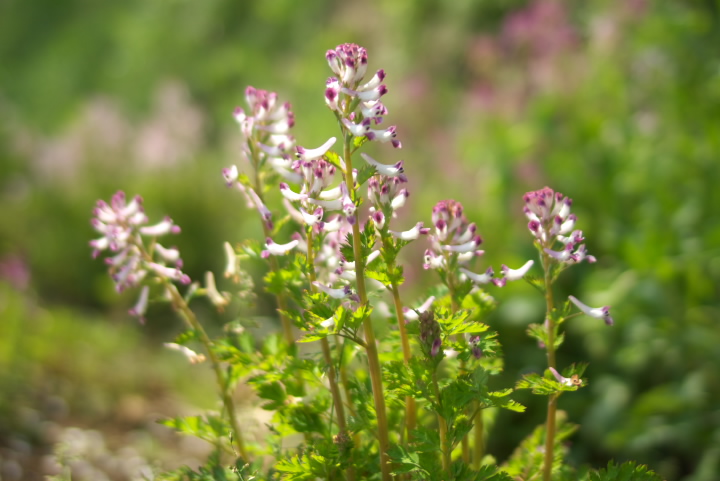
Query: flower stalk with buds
[
  {"x": 124, "y": 231},
  {"x": 552, "y": 225}
]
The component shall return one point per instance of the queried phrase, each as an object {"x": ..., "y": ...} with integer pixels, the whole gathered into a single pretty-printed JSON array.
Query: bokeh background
[{"x": 614, "y": 103}]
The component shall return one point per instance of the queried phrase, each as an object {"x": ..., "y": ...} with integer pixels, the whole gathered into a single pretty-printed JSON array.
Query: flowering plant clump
[{"x": 408, "y": 401}]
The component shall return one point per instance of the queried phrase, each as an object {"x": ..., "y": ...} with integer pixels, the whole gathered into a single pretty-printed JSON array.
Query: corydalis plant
[
  {"x": 139, "y": 260},
  {"x": 560, "y": 246},
  {"x": 357, "y": 419}
]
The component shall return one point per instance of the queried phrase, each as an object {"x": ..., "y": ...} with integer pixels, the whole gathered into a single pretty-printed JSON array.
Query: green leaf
[
  {"x": 334, "y": 158},
  {"x": 528, "y": 458},
  {"x": 209, "y": 428},
  {"x": 628, "y": 471},
  {"x": 313, "y": 336},
  {"x": 293, "y": 469},
  {"x": 458, "y": 323},
  {"x": 378, "y": 276},
  {"x": 272, "y": 391},
  {"x": 462, "y": 472},
  {"x": 399, "y": 380},
  {"x": 359, "y": 142},
  {"x": 406, "y": 462},
  {"x": 365, "y": 172}
]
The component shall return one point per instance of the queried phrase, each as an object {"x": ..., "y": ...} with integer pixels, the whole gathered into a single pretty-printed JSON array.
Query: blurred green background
[{"x": 615, "y": 104}]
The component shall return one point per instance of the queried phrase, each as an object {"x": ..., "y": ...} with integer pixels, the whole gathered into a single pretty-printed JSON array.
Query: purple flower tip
[{"x": 435, "y": 347}]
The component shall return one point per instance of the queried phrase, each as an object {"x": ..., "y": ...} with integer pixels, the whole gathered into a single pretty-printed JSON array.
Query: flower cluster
[
  {"x": 356, "y": 103},
  {"x": 266, "y": 140},
  {"x": 453, "y": 238},
  {"x": 551, "y": 222},
  {"x": 430, "y": 339},
  {"x": 123, "y": 226}
]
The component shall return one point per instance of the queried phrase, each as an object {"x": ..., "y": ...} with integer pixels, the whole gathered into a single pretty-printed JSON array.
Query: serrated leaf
[
  {"x": 312, "y": 337},
  {"x": 378, "y": 276},
  {"x": 334, "y": 158},
  {"x": 271, "y": 391},
  {"x": 359, "y": 142},
  {"x": 405, "y": 462},
  {"x": 208, "y": 429},
  {"x": 628, "y": 471},
  {"x": 365, "y": 172}
]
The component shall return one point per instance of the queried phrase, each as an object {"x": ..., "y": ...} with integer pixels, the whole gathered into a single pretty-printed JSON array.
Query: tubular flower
[
  {"x": 123, "y": 228},
  {"x": 414, "y": 314},
  {"x": 550, "y": 222},
  {"x": 512, "y": 274},
  {"x": 274, "y": 249},
  {"x": 411, "y": 234},
  {"x": 349, "y": 87},
  {"x": 566, "y": 381},
  {"x": 596, "y": 312}
]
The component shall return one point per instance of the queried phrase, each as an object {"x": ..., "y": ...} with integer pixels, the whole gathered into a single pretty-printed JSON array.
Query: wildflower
[
  {"x": 141, "y": 306},
  {"x": 382, "y": 169},
  {"x": 451, "y": 237},
  {"x": 271, "y": 248},
  {"x": 260, "y": 206},
  {"x": 349, "y": 63},
  {"x": 387, "y": 193},
  {"x": 549, "y": 217},
  {"x": 512, "y": 274},
  {"x": 483, "y": 278},
  {"x": 122, "y": 225},
  {"x": 232, "y": 267},
  {"x": 596, "y": 312},
  {"x": 475, "y": 347},
  {"x": 218, "y": 299},
  {"x": 266, "y": 140},
  {"x": 435, "y": 347},
  {"x": 340, "y": 293},
  {"x": 191, "y": 355},
  {"x": 308, "y": 154},
  {"x": 574, "y": 380},
  {"x": 411, "y": 234},
  {"x": 413, "y": 314}
]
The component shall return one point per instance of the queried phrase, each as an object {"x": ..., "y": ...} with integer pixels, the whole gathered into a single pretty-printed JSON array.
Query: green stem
[
  {"x": 410, "y": 407},
  {"x": 275, "y": 267},
  {"x": 550, "y": 437},
  {"x": 461, "y": 339},
  {"x": 550, "y": 347},
  {"x": 479, "y": 441},
  {"x": 193, "y": 323},
  {"x": 332, "y": 373},
  {"x": 442, "y": 429},
  {"x": 371, "y": 348}
]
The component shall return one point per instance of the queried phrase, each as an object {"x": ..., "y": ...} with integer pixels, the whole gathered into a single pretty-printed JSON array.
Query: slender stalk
[
  {"x": 371, "y": 348},
  {"x": 479, "y": 438},
  {"x": 445, "y": 448},
  {"x": 550, "y": 347},
  {"x": 275, "y": 267},
  {"x": 410, "y": 407},
  {"x": 461, "y": 339},
  {"x": 193, "y": 323},
  {"x": 327, "y": 356},
  {"x": 550, "y": 438}
]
